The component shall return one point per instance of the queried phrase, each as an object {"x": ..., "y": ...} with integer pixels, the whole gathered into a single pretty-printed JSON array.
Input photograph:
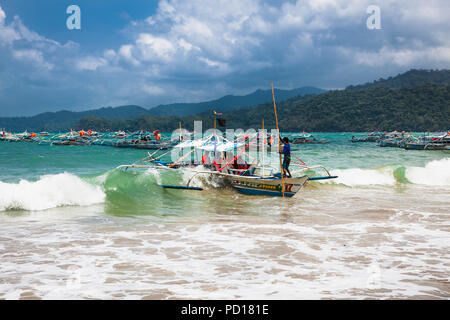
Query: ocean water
[{"x": 74, "y": 227}]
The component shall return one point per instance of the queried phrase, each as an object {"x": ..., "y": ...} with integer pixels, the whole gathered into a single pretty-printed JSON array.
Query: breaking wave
[
  {"x": 48, "y": 192},
  {"x": 434, "y": 173},
  {"x": 117, "y": 187}
]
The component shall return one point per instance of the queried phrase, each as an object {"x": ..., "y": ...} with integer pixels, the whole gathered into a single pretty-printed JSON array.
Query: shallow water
[{"x": 73, "y": 227}]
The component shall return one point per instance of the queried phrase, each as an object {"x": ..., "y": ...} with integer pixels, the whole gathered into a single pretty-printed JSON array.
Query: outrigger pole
[{"x": 278, "y": 131}]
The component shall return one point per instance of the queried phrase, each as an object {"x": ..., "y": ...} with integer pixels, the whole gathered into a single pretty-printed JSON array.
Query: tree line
[{"x": 419, "y": 108}]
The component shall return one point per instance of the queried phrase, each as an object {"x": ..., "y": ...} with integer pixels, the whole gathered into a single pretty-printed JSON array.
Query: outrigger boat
[
  {"x": 141, "y": 143},
  {"x": 395, "y": 139},
  {"x": 214, "y": 152},
  {"x": 372, "y": 137},
  {"x": 72, "y": 138},
  {"x": 435, "y": 141},
  {"x": 250, "y": 179},
  {"x": 18, "y": 137},
  {"x": 8, "y": 137},
  {"x": 141, "y": 140},
  {"x": 438, "y": 141},
  {"x": 119, "y": 134},
  {"x": 306, "y": 138}
]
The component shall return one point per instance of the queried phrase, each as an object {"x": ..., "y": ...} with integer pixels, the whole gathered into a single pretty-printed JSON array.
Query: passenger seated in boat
[
  {"x": 240, "y": 163},
  {"x": 208, "y": 160},
  {"x": 287, "y": 157},
  {"x": 157, "y": 135}
]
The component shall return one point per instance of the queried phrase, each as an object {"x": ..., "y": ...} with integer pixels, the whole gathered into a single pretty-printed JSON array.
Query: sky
[{"x": 150, "y": 52}]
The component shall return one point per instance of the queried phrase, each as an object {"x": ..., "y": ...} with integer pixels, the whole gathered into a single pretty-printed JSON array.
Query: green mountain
[
  {"x": 421, "y": 108},
  {"x": 411, "y": 78},
  {"x": 65, "y": 120},
  {"x": 395, "y": 105},
  {"x": 231, "y": 102}
]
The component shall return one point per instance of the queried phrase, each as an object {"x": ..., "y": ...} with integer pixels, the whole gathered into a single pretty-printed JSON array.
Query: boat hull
[
  {"x": 268, "y": 187},
  {"x": 414, "y": 146},
  {"x": 437, "y": 146},
  {"x": 152, "y": 146},
  {"x": 70, "y": 143}
]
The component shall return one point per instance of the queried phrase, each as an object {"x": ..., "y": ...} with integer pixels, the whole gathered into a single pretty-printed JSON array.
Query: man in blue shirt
[{"x": 287, "y": 157}]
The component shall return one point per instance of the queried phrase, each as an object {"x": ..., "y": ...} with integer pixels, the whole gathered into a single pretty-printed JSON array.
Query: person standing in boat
[{"x": 287, "y": 157}]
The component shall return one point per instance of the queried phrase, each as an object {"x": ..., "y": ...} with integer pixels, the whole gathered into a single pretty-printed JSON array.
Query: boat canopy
[
  {"x": 190, "y": 144},
  {"x": 209, "y": 144},
  {"x": 221, "y": 146}
]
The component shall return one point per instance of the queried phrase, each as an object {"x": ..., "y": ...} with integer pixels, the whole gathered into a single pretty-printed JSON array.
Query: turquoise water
[
  {"x": 72, "y": 226},
  {"x": 30, "y": 161}
]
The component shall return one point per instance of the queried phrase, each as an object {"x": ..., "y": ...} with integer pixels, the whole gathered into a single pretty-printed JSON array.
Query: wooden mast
[
  {"x": 215, "y": 138},
  {"x": 263, "y": 146},
  {"x": 279, "y": 145}
]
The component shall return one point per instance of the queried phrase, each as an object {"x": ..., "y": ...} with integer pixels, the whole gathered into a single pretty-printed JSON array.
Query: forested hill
[
  {"x": 417, "y": 100},
  {"x": 420, "y": 108},
  {"x": 65, "y": 120},
  {"x": 231, "y": 102},
  {"x": 411, "y": 78}
]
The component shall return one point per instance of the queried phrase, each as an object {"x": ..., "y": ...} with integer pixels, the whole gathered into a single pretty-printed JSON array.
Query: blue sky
[
  {"x": 149, "y": 52},
  {"x": 102, "y": 19}
]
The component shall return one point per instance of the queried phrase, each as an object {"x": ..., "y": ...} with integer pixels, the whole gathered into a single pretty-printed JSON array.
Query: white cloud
[
  {"x": 153, "y": 90},
  {"x": 220, "y": 66},
  {"x": 402, "y": 57},
  {"x": 27, "y": 46},
  {"x": 126, "y": 52},
  {"x": 250, "y": 42},
  {"x": 153, "y": 48},
  {"x": 16, "y": 31},
  {"x": 192, "y": 27},
  {"x": 186, "y": 46},
  {"x": 7, "y": 34},
  {"x": 34, "y": 56},
  {"x": 109, "y": 54},
  {"x": 201, "y": 49},
  {"x": 425, "y": 12},
  {"x": 91, "y": 63}
]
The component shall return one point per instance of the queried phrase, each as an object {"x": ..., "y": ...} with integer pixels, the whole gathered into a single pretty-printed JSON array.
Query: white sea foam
[
  {"x": 226, "y": 260},
  {"x": 201, "y": 180},
  {"x": 50, "y": 191},
  {"x": 386, "y": 246},
  {"x": 360, "y": 177},
  {"x": 435, "y": 173}
]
